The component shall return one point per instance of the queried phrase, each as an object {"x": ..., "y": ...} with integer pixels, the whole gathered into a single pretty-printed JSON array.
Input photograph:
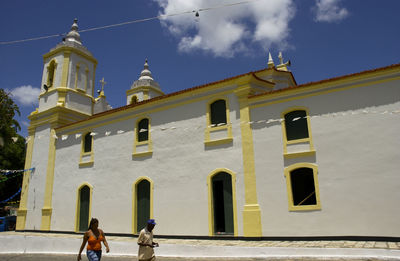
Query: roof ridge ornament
[
  {"x": 270, "y": 61},
  {"x": 282, "y": 66}
]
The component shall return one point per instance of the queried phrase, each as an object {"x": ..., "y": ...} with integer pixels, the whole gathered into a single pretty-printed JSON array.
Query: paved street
[{"x": 42, "y": 257}]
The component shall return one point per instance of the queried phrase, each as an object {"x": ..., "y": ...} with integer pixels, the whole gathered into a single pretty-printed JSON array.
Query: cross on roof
[{"x": 102, "y": 83}]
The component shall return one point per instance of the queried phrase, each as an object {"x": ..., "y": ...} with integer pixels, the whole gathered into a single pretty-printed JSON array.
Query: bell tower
[
  {"x": 66, "y": 96},
  {"x": 68, "y": 76}
]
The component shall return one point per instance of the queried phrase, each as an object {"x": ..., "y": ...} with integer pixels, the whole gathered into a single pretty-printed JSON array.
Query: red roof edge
[{"x": 327, "y": 80}]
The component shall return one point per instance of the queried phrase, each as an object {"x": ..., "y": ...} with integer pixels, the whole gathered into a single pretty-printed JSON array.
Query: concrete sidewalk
[{"x": 47, "y": 243}]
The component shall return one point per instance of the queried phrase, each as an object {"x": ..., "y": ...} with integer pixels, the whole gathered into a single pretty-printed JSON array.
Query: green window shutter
[
  {"x": 296, "y": 125},
  {"x": 84, "y": 197},
  {"x": 143, "y": 204},
  {"x": 218, "y": 112}
]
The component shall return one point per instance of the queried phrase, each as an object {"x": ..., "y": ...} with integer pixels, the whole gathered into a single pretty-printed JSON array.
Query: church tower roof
[
  {"x": 145, "y": 79},
  {"x": 73, "y": 35}
]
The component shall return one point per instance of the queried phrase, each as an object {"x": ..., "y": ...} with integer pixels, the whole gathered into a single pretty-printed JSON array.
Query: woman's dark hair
[{"x": 92, "y": 221}]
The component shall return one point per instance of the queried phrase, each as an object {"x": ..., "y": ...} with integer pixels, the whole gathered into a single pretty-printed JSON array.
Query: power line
[{"x": 130, "y": 22}]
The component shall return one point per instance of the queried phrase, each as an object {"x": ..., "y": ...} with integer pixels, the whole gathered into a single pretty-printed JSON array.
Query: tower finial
[
  {"x": 270, "y": 61},
  {"x": 280, "y": 58},
  {"x": 73, "y": 35}
]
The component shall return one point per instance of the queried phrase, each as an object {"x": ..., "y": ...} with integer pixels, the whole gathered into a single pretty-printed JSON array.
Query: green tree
[{"x": 12, "y": 147}]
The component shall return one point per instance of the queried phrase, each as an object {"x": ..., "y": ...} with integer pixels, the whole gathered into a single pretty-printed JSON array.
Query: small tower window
[
  {"x": 50, "y": 74},
  {"x": 143, "y": 130},
  {"x": 88, "y": 143},
  {"x": 218, "y": 112},
  {"x": 134, "y": 99}
]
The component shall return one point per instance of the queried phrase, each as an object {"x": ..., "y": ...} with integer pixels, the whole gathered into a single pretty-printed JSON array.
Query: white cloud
[
  {"x": 26, "y": 95},
  {"x": 230, "y": 29},
  {"x": 329, "y": 11}
]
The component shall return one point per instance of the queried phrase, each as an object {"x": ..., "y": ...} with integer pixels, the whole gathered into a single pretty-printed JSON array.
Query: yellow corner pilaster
[
  {"x": 65, "y": 68},
  {"x": 251, "y": 212},
  {"x": 47, "y": 209},
  {"x": 22, "y": 210}
]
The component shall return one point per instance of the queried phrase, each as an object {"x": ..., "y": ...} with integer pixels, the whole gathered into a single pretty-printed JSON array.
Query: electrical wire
[{"x": 129, "y": 22}]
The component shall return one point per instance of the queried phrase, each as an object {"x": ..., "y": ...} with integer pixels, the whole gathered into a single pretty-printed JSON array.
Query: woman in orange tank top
[{"x": 93, "y": 237}]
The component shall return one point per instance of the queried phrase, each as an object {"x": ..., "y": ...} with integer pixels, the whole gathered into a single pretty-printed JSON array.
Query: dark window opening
[
  {"x": 296, "y": 125},
  {"x": 50, "y": 77},
  {"x": 134, "y": 100},
  {"x": 218, "y": 112},
  {"x": 88, "y": 143},
  {"x": 143, "y": 130},
  {"x": 303, "y": 188}
]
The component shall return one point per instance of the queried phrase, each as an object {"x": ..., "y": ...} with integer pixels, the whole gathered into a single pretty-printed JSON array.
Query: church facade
[{"x": 255, "y": 155}]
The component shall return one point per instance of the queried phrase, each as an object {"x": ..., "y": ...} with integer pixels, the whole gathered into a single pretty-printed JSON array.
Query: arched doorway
[
  {"x": 84, "y": 207},
  {"x": 222, "y": 203},
  {"x": 142, "y": 204}
]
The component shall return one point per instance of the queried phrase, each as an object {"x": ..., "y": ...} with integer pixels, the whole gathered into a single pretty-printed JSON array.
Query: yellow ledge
[
  {"x": 305, "y": 208},
  {"x": 299, "y": 154},
  {"x": 86, "y": 164},
  {"x": 142, "y": 154},
  {"x": 218, "y": 142}
]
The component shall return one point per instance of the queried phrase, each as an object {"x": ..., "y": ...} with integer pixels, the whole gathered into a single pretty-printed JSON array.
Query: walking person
[
  {"x": 93, "y": 236},
  {"x": 146, "y": 243}
]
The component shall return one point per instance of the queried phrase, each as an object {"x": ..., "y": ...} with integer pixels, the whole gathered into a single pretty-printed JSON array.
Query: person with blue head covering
[{"x": 146, "y": 243}]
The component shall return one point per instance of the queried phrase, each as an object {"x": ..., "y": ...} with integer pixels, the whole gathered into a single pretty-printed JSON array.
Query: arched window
[
  {"x": 296, "y": 125},
  {"x": 50, "y": 74},
  {"x": 302, "y": 185},
  {"x": 218, "y": 112},
  {"x": 83, "y": 208},
  {"x": 87, "y": 145},
  {"x": 142, "y": 130},
  {"x": 222, "y": 203},
  {"x": 134, "y": 99},
  {"x": 142, "y": 204}
]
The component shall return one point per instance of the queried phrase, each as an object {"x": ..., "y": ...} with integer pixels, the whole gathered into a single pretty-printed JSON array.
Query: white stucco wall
[
  {"x": 179, "y": 167},
  {"x": 356, "y": 158},
  {"x": 37, "y": 180}
]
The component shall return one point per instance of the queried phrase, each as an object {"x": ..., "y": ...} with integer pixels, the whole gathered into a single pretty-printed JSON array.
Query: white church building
[{"x": 255, "y": 155}]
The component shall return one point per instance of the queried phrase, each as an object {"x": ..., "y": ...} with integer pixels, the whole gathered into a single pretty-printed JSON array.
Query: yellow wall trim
[
  {"x": 22, "y": 210},
  {"x": 318, "y": 89},
  {"x": 308, "y": 140},
  {"x": 69, "y": 49},
  {"x": 251, "y": 211},
  {"x": 299, "y": 154},
  {"x": 46, "y": 216},
  {"x": 287, "y": 171},
  {"x": 209, "y": 128}
]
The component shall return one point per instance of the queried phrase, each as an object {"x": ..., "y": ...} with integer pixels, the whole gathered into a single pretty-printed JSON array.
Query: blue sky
[{"x": 322, "y": 38}]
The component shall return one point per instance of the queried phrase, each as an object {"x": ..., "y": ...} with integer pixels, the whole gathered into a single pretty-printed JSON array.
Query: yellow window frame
[{"x": 287, "y": 174}]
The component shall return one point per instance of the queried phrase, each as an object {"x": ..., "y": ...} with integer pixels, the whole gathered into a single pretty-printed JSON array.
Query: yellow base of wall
[
  {"x": 21, "y": 219},
  {"x": 46, "y": 219},
  {"x": 252, "y": 221}
]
